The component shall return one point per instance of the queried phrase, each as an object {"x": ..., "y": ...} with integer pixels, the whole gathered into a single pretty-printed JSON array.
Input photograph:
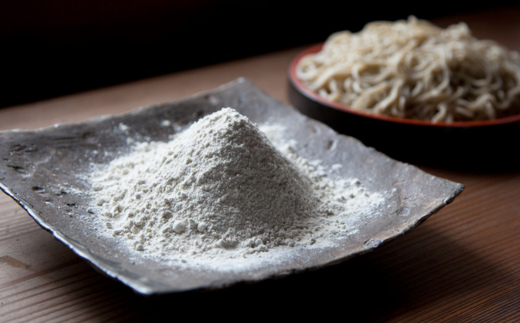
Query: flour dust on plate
[
  {"x": 52, "y": 173},
  {"x": 224, "y": 193}
]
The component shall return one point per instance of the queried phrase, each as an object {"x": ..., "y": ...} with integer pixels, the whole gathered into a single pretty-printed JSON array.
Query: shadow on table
[{"x": 423, "y": 273}]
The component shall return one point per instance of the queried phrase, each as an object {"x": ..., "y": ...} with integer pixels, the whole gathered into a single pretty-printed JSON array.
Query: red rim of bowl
[{"x": 315, "y": 97}]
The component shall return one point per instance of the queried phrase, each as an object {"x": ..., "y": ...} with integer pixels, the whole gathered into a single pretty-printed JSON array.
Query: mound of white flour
[{"x": 221, "y": 188}]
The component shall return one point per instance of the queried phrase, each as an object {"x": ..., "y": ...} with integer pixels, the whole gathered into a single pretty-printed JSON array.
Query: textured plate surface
[{"x": 39, "y": 169}]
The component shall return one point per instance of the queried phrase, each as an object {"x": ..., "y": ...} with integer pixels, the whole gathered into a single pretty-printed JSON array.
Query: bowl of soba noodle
[{"x": 417, "y": 92}]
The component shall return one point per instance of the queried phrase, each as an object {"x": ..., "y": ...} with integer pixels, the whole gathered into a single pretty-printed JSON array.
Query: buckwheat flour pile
[{"x": 222, "y": 190}]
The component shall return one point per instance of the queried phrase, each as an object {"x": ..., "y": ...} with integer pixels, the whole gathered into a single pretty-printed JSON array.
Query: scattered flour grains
[{"x": 221, "y": 189}]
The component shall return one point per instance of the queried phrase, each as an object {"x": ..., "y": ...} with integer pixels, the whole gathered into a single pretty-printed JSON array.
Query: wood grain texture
[{"x": 461, "y": 265}]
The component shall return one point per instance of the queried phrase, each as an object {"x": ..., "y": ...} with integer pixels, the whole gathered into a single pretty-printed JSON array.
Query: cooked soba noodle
[{"x": 413, "y": 69}]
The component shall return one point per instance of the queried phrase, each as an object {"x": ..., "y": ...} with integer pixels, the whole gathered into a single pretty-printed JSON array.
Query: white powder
[{"x": 221, "y": 190}]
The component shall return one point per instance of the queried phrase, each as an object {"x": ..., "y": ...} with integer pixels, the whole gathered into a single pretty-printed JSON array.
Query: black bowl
[{"x": 473, "y": 145}]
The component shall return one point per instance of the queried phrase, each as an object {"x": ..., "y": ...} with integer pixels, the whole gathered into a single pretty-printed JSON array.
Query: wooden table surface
[{"x": 462, "y": 264}]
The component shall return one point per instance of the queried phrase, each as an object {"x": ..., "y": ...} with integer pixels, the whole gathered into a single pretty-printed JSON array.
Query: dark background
[{"x": 57, "y": 47}]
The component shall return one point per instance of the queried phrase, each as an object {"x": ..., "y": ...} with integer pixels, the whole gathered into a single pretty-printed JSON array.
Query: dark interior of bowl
[{"x": 486, "y": 146}]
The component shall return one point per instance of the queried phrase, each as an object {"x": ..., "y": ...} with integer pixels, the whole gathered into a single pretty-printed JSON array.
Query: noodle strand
[{"x": 413, "y": 69}]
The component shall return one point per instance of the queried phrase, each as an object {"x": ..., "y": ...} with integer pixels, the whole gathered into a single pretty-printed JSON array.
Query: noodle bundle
[{"x": 413, "y": 69}]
